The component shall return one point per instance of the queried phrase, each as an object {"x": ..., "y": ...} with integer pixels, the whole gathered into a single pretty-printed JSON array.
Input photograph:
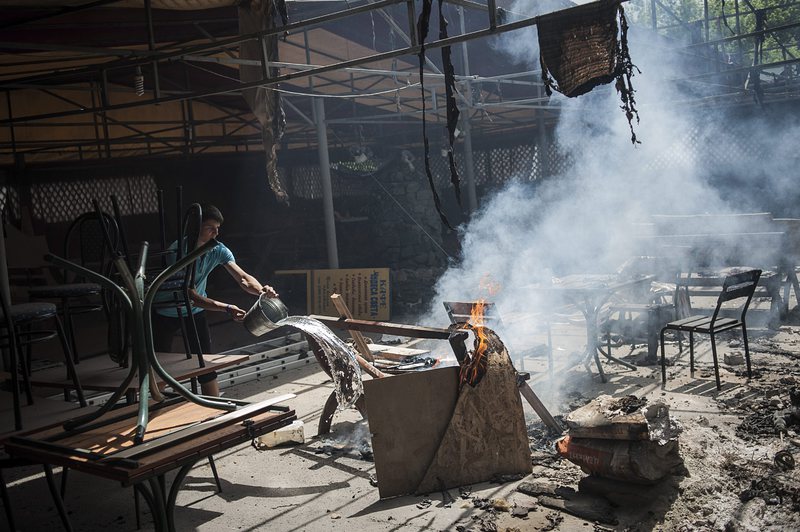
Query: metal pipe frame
[{"x": 193, "y": 53}]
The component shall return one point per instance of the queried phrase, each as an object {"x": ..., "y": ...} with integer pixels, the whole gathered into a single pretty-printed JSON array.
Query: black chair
[
  {"x": 736, "y": 286},
  {"x": 16, "y": 333},
  {"x": 86, "y": 246}
]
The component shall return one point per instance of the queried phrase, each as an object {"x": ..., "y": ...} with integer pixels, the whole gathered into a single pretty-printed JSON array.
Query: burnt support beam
[
  {"x": 151, "y": 44},
  {"x": 398, "y": 329},
  {"x": 469, "y": 163}
]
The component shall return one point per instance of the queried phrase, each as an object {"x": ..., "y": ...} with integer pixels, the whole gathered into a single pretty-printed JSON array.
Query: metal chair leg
[
  {"x": 214, "y": 472},
  {"x": 24, "y": 363},
  {"x": 68, "y": 359},
  {"x": 70, "y": 326},
  {"x": 746, "y": 351},
  {"x": 716, "y": 363},
  {"x": 51, "y": 483},
  {"x": 13, "y": 367},
  {"x": 663, "y": 359},
  {"x": 64, "y": 477},
  {"x": 6, "y": 503},
  {"x": 691, "y": 353}
]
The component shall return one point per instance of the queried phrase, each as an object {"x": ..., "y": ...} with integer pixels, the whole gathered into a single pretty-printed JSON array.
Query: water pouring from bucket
[{"x": 265, "y": 315}]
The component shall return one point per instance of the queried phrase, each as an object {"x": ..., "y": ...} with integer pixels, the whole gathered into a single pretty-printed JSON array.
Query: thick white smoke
[{"x": 585, "y": 220}]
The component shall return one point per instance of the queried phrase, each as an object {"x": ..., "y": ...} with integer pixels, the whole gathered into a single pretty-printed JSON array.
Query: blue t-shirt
[{"x": 219, "y": 254}]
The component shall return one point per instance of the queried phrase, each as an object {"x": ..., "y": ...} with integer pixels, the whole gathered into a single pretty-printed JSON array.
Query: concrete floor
[{"x": 300, "y": 488}]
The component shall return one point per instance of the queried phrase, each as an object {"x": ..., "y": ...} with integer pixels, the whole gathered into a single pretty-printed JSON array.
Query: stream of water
[{"x": 345, "y": 370}]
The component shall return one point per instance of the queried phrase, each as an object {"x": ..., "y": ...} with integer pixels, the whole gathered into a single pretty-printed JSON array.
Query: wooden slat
[
  {"x": 42, "y": 414},
  {"x": 398, "y": 329},
  {"x": 358, "y": 338},
  {"x": 118, "y": 435},
  {"x": 223, "y": 438}
]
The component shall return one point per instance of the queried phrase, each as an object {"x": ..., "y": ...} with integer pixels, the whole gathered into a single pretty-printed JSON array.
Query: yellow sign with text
[{"x": 364, "y": 290}]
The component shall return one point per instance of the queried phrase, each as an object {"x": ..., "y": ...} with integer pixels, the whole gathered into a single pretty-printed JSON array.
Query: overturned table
[{"x": 180, "y": 434}]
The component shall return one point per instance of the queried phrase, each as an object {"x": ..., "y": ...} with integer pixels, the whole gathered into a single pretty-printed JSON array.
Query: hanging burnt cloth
[
  {"x": 255, "y": 16},
  {"x": 452, "y": 107},
  {"x": 423, "y": 24},
  {"x": 585, "y": 46}
]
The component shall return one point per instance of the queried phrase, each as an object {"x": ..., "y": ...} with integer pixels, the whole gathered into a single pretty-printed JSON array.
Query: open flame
[{"x": 474, "y": 367}]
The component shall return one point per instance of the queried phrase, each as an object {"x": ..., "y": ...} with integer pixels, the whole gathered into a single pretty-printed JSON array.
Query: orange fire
[
  {"x": 477, "y": 312},
  {"x": 475, "y": 366}
]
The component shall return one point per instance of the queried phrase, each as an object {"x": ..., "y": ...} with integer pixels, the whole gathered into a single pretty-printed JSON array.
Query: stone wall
[{"x": 415, "y": 258}]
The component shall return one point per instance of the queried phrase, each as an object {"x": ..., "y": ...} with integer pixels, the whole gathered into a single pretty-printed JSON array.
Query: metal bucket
[{"x": 264, "y": 315}]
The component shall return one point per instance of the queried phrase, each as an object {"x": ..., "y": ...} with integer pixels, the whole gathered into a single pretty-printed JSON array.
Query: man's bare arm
[
  {"x": 212, "y": 304},
  {"x": 247, "y": 282}
]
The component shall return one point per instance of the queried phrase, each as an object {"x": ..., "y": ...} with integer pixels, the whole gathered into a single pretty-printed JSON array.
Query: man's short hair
[{"x": 211, "y": 213}]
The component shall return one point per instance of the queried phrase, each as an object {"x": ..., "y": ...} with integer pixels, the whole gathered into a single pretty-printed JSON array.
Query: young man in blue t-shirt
[{"x": 166, "y": 321}]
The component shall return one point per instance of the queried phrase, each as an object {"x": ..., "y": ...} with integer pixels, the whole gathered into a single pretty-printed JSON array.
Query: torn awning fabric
[
  {"x": 423, "y": 26},
  {"x": 586, "y": 46},
  {"x": 265, "y": 103}
]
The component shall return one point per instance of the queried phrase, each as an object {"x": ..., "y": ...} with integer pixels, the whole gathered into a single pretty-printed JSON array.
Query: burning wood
[
  {"x": 486, "y": 435},
  {"x": 474, "y": 367}
]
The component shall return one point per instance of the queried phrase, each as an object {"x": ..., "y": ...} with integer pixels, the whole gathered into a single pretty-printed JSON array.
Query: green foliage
[{"x": 684, "y": 21}]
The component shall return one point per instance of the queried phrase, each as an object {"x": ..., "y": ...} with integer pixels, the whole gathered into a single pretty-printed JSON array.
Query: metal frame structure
[{"x": 324, "y": 73}]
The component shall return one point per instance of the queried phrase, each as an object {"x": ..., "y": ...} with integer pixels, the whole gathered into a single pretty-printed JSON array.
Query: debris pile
[
  {"x": 770, "y": 417},
  {"x": 623, "y": 439}
]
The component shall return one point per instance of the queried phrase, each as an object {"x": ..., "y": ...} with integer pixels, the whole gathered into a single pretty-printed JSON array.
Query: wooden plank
[
  {"x": 358, "y": 338},
  {"x": 408, "y": 416},
  {"x": 42, "y": 414},
  {"x": 114, "y": 437},
  {"x": 103, "y": 375},
  {"x": 226, "y": 418},
  {"x": 398, "y": 329},
  {"x": 165, "y": 460},
  {"x": 395, "y": 353}
]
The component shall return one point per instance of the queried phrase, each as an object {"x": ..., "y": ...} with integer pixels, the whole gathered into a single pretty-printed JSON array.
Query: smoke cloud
[{"x": 693, "y": 158}]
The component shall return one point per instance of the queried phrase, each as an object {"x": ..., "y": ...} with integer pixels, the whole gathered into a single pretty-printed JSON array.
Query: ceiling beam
[{"x": 63, "y": 11}]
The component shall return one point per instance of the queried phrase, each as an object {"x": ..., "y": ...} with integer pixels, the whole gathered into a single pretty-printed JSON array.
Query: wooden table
[
  {"x": 179, "y": 434},
  {"x": 589, "y": 292}
]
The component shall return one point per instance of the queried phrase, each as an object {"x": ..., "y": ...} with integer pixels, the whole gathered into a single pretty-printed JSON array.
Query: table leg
[
  {"x": 6, "y": 502},
  {"x": 593, "y": 349},
  {"x": 173, "y": 495},
  {"x": 51, "y": 483},
  {"x": 143, "y": 490},
  {"x": 590, "y": 315}
]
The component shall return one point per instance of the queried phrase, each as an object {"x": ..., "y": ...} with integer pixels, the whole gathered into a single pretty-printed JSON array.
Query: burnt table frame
[{"x": 589, "y": 293}]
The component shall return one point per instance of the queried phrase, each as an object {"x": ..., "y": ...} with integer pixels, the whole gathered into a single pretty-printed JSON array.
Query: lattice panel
[
  {"x": 63, "y": 201},
  {"x": 9, "y": 202},
  {"x": 482, "y": 176},
  {"x": 306, "y": 182},
  {"x": 348, "y": 185},
  {"x": 560, "y": 162}
]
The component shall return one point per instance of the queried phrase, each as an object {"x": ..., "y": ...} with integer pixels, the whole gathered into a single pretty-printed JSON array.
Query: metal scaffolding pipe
[
  {"x": 327, "y": 188},
  {"x": 469, "y": 163}
]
